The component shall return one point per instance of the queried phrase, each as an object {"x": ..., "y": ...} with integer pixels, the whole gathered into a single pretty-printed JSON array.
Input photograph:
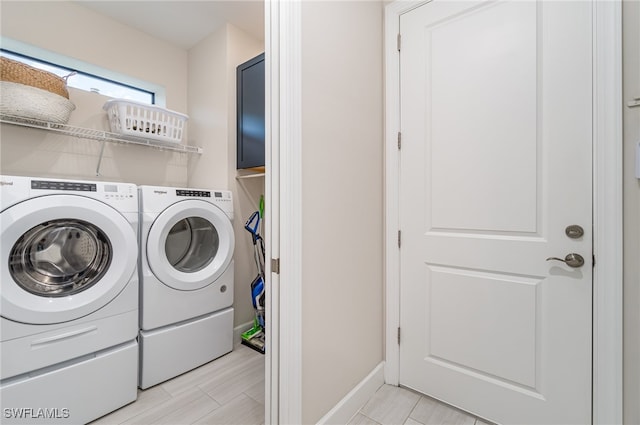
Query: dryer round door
[
  {"x": 64, "y": 256},
  {"x": 190, "y": 244}
]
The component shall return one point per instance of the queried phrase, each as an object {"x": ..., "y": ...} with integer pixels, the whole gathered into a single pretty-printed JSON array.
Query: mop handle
[{"x": 252, "y": 226}]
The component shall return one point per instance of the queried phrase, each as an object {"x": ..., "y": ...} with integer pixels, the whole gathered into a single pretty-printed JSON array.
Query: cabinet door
[{"x": 250, "y": 105}]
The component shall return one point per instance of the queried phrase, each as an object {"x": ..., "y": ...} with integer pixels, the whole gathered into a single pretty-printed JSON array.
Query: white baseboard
[
  {"x": 239, "y": 330},
  {"x": 357, "y": 397}
]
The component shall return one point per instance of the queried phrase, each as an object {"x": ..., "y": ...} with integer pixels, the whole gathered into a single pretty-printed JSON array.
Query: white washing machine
[
  {"x": 186, "y": 280},
  {"x": 69, "y": 299}
]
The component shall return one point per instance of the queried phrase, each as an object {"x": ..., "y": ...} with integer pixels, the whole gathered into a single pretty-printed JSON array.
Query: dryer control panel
[
  {"x": 157, "y": 198},
  {"x": 195, "y": 193},
  {"x": 203, "y": 194}
]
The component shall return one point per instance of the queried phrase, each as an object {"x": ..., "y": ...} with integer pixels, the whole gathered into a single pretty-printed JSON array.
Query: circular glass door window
[
  {"x": 192, "y": 244},
  {"x": 60, "y": 257}
]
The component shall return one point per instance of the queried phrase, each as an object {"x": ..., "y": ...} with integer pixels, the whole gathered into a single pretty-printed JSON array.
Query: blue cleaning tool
[
  {"x": 252, "y": 226},
  {"x": 257, "y": 296},
  {"x": 254, "y": 337}
]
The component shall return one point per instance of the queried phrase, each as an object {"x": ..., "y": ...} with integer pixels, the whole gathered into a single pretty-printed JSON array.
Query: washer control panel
[
  {"x": 63, "y": 185},
  {"x": 123, "y": 196}
]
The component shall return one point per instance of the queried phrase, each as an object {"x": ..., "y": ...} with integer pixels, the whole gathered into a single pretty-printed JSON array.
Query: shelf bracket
[
  {"x": 104, "y": 141},
  {"x": 241, "y": 180}
]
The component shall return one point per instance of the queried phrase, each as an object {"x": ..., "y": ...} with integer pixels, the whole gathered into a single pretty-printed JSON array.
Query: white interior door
[{"x": 496, "y": 163}]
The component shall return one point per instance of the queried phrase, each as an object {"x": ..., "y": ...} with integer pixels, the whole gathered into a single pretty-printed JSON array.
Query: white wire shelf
[
  {"x": 99, "y": 135},
  {"x": 249, "y": 176}
]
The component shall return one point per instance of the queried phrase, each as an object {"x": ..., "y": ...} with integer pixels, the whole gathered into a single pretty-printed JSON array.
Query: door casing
[
  {"x": 607, "y": 204},
  {"x": 283, "y": 91}
]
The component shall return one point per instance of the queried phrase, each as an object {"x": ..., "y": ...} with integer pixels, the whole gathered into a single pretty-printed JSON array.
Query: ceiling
[{"x": 183, "y": 23}]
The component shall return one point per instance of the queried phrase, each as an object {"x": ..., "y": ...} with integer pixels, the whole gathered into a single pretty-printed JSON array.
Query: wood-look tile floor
[
  {"x": 398, "y": 406},
  {"x": 230, "y": 390}
]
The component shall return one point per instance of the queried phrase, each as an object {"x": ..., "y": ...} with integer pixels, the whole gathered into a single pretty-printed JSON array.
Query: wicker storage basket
[
  {"x": 139, "y": 119},
  {"x": 34, "y": 103},
  {"x": 18, "y": 72}
]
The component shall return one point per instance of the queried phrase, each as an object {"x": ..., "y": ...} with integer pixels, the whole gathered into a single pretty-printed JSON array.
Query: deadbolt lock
[{"x": 574, "y": 231}]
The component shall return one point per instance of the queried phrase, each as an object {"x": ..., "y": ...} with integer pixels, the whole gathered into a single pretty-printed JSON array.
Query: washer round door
[
  {"x": 64, "y": 256},
  {"x": 190, "y": 244}
]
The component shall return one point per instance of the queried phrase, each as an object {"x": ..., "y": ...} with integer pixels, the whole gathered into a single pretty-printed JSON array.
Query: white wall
[
  {"x": 70, "y": 29},
  {"x": 342, "y": 202},
  {"x": 247, "y": 192},
  {"x": 74, "y": 31},
  {"x": 631, "y": 83},
  {"x": 32, "y": 152},
  {"x": 208, "y": 110},
  {"x": 212, "y": 108}
]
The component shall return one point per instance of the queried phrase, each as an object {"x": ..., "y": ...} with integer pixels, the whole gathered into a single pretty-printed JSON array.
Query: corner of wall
[
  {"x": 208, "y": 112},
  {"x": 631, "y": 225},
  {"x": 212, "y": 111}
]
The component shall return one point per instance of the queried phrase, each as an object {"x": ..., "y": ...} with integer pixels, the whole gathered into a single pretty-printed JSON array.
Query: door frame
[
  {"x": 607, "y": 204},
  {"x": 283, "y": 150}
]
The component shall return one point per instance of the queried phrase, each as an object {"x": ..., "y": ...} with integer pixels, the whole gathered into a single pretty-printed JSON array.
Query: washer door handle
[{"x": 66, "y": 335}]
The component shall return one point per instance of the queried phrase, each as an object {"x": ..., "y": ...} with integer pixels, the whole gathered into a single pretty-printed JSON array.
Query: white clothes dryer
[
  {"x": 186, "y": 279},
  {"x": 68, "y": 298}
]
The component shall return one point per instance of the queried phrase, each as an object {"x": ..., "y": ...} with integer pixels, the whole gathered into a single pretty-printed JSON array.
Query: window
[{"x": 87, "y": 81}]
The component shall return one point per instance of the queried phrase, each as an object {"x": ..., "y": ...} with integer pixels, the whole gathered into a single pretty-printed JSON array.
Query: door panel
[
  {"x": 499, "y": 317},
  {"x": 460, "y": 80},
  {"x": 495, "y": 164}
]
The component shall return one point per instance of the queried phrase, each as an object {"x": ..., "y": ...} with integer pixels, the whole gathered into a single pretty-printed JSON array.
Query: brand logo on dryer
[
  {"x": 160, "y": 192},
  {"x": 6, "y": 183}
]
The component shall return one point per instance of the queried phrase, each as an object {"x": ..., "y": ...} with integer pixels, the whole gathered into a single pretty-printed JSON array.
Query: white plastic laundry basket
[{"x": 138, "y": 119}]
